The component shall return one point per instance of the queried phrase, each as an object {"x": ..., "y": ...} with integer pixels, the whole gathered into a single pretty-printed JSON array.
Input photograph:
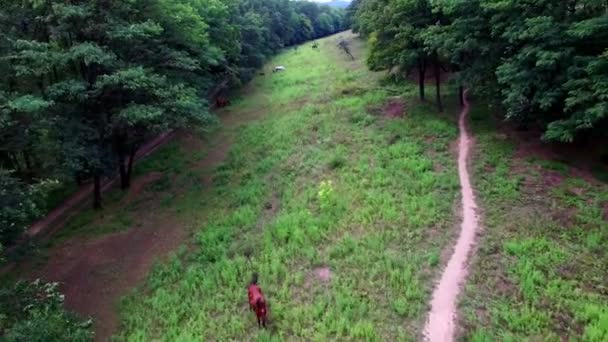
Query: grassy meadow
[{"x": 343, "y": 212}]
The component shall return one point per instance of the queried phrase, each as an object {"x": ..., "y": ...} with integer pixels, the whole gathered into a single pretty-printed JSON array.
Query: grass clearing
[
  {"x": 321, "y": 180},
  {"x": 540, "y": 272}
]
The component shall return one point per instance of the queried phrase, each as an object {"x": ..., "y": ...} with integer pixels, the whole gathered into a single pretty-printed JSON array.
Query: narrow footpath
[{"x": 440, "y": 325}]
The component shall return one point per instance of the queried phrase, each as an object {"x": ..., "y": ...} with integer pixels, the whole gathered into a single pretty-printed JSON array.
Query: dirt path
[
  {"x": 442, "y": 317},
  {"x": 94, "y": 274}
]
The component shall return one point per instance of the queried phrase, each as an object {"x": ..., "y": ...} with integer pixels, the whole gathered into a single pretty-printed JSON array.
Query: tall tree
[{"x": 543, "y": 61}]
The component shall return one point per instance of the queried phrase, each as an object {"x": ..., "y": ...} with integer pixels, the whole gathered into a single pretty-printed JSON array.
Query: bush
[
  {"x": 34, "y": 312},
  {"x": 20, "y": 204}
]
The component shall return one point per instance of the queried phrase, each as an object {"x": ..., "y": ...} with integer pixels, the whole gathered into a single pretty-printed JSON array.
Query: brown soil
[
  {"x": 605, "y": 211},
  {"x": 580, "y": 192},
  {"x": 139, "y": 184},
  {"x": 552, "y": 178},
  {"x": 216, "y": 155},
  {"x": 95, "y": 273},
  {"x": 565, "y": 217},
  {"x": 394, "y": 109},
  {"x": 580, "y": 164},
  {"x": 323, "y": 274}
]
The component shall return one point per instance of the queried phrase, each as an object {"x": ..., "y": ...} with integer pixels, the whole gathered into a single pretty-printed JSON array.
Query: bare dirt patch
[
  {"x": 394, "y": 109},
  {"x": 565, "y": 217},
  {"x": 552, "y": 178},
  {"x": 580, "y": 165},
  {"x": 139, "y": 184},
  {"x": 94, "y": 274},
  {"x": 605, "y": 211},
  {"x": 323, "y": 274},
  {"x": 580, "y": 192},
  {"x": 429, "y": 75},
  {"x": 214, "y": 158}
]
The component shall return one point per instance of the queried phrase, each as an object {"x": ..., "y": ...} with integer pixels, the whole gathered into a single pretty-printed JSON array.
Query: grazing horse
[{"x": 257, "y": 302}]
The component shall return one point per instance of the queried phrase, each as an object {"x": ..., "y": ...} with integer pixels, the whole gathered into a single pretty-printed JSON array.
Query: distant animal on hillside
[
  {"x": 315, "y": 45},
  {"x": 221, "y": 102},
  {"x": 278, "y": 68},
  {"x": 261, "y": 73},
  {"x": 257, "y": 302}
]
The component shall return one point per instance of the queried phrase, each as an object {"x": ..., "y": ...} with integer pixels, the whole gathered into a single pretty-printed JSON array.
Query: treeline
[
  {"x": 86, "y": 82},
  {"x": 545, "y": 61}
]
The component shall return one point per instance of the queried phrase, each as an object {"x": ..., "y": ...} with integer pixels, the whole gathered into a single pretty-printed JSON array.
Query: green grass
[
  {"x": 371, "y": 198},
  {"x": 540, "y": 272}
]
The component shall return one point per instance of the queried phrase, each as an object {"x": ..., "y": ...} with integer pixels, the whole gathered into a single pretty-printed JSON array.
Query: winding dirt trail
[{"x": 442, "y": 317}]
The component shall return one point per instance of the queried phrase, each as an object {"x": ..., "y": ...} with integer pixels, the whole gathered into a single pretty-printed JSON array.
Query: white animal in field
[{"x": 279, "y": 68}]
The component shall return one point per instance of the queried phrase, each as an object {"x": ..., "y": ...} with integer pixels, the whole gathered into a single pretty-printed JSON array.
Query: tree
[
  {"x": 396, "y": 30},
  {"x": 89, "y": 79},
  {"x": 87, "y": 82},
  {"x": 544, "y": 61}
]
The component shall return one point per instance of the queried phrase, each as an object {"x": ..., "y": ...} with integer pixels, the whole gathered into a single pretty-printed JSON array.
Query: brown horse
[{"x": 257, "y": 302}]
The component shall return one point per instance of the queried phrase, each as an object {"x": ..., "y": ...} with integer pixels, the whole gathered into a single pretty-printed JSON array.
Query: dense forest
[
  {"x": 85, "y": 83},
  {"x": 545, "y": 63}
]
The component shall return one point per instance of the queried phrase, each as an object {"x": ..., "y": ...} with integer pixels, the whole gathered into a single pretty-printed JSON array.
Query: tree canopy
[{"x": 545, "y": 62}]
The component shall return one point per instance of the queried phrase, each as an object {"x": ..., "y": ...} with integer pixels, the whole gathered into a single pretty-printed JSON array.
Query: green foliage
[
  {"x": 85, "y": 84},
  {"x": 19, "y": 204},
  {"x": 544, "y": 62},
  {"x": 34, "y": 312}
]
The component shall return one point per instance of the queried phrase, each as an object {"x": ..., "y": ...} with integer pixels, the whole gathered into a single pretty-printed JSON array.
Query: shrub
[{"x": 34, "y": 312}]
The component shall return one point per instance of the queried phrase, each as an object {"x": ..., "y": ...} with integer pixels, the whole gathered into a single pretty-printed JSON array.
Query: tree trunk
[
  {"x": 78, "y": 178},
  {"x": 461, "y": 95},
  {"x": 438, "y": 82},
  {"x": 120, "y": 148},
  {"x": 124, "y": 181},
  {"x": 421, "y": 76},
  {"x": 97, "y": 191},
  {"x": 28, "y": 161},
  {"x": 130, "y": 166}
]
